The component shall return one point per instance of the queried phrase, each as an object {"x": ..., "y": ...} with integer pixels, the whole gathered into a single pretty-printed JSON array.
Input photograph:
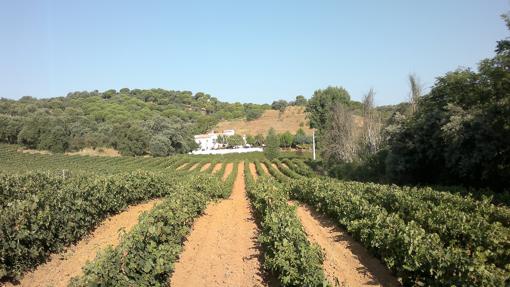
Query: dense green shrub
[
  {"x": 418, "y": 256},
  {"x": 59, "y": 214},
  {"x": 287, "y": 252},
  {"x": 146, "y": 255}
]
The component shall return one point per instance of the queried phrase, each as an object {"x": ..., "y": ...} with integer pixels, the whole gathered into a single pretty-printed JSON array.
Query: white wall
[{"x": 227, "y": 151}]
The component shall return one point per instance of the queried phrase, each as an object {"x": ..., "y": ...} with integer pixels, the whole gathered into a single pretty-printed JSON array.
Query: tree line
[
  {"x": 457, "y": 134},
  {"x": 135, "y": 122}
]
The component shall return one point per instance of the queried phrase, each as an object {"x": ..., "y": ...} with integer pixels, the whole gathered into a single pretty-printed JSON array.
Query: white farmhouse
[{"x": 210, "y": 141}]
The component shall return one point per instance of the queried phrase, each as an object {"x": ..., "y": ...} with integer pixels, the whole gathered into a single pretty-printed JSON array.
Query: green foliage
[
  {"x": 146, "y": 255},
  {"x": 253, "y": 114},
  {"x": 300, "y": 138},
  {"x": 279, "y": 105},
  {"x": 160, "y": 146},
  {"x": 322, "y": 102},
  {"x": 62, "y": 212},
  {"x": 287, "y": 252},
  {"x": 400, "y": 226},
  {"x": 235, "y": 140},
  {"x": 286, "y": 139},
  {"x": 300, "y": 101},
  {"x": 250, "y": 140},
  {"x": 128, "y": 120},
  {"x": 460, "y": 133},
  {"x": 272, "y": 144},
  {"x": 260, "y": 140}
]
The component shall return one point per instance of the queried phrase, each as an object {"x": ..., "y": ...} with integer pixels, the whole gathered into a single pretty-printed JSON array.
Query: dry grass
[
  {"x": 33, "y": 151},
  {"x": 96, "y": 152},
  {"x": 291, "y": 120}
]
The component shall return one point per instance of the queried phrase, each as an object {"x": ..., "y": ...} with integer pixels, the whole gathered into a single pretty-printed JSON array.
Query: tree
[
  {"x": 160, "y": 146},
  {"x": 416, "y": 91},
  {"x": 279, "y": 105},
  {"x": 300, "y": 101},
  {"x": 253, "y": 114},
  {"x": 235, "y": 140},
  {"x": 300, "y": 137},
  {"x": 371, "y": 132},
  {"x": 460, "y": 132},
  {"x": 250, "y": 140},
  {"x": 286, "y": 139},
  {"x": 322, "y": 102},
  {"x": 260, "y": 140},
  {"x": 272, "y": 145},
  {"x": 339, "y": 142}
]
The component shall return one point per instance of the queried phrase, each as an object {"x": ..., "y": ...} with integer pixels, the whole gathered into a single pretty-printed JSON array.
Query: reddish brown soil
[
  {"x": 205, "y": 166},
  {"x": 264, "y": 168},
  {"x": 346, "y": 261},
  {"x": 62, "y": 267},
  {"x": 182, "y": 166},
  {"x": 194, "y": 166},
  {"x": 222, "y": 248},
  {"x": 216, "y": 168},
  {"x": 228, "y": 170},
  {"x": 253, "y": 171}
]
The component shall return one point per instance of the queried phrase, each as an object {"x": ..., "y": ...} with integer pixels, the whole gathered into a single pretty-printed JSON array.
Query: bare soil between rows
[
  {"x": 222, "y": 249},
  {"x": 60, "y": 268},
  {"x": 346, "y": 261}
]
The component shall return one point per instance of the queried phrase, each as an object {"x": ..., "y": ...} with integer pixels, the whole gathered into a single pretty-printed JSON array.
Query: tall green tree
[
  {"x": 272, "y": 149},
  {"x": 286, "y": 139},
  {"x": 460, "y": 132},
  {"x": 322, "y": 102}
]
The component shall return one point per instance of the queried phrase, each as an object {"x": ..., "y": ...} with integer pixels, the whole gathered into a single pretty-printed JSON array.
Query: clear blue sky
[{"x": 247, "y": 51}]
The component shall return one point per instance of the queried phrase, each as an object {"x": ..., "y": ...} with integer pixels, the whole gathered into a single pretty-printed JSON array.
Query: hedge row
[
  {"x": 286, "y": 170},
  {"x": 146, "y": 255},
  {"x": 469, "y": 230},
  {"x": 21, "y": 186},
  {"x": 60, "y": 214},
  {"x": 300, "y": 167},
  {"x": 275, "y": 172},
  {"x": 420, "y": 258},
  {"x": 287, "y": 252}
]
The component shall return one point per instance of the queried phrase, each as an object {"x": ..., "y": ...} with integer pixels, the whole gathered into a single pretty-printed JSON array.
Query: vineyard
[{"x": 238, "y": 221}]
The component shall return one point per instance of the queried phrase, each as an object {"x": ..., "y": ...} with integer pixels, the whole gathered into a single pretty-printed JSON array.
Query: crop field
[{"x": 238, "y": 220}]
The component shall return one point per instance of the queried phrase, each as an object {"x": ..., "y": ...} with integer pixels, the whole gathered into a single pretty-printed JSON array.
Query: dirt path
[
  {"x": 345, "y": 259},
  {"x": 62, "y": 267},
  {"x": 216, "y": 168},
  {"x": 222, "y": 248},
  {"x": 194, "y": 166},
  {"x": 253, "y": 170},
  {"x": 228, "y": 170},
  {"x": 264, "y": 167},
  {"x": 182, "y": 166},
  {"x": 205, "y": 166}
]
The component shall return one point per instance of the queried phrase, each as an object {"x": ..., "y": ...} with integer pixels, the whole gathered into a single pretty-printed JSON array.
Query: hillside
[
  {"x": 134, "y": 122},
  {"x": 291, "y": 120}
]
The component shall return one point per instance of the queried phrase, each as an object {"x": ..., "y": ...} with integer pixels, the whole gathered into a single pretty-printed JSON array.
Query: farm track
[
  {"x": 216, "y": 168},
  {"x": 182, "y": 166},
  {"x": 346, "y": 261},
  {"x": 194, "y": 166},
  {"x": 264, "y": 167},
  {"x": 60, "y": 268},
  {"x": 222, "y": 248},
  {"x": 253, "y": 171},
  {"x": 205, "y": 166},
  {"x": 228, "y": 170}
]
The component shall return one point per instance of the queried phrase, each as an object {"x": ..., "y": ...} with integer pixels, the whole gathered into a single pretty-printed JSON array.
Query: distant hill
[
  {"x": 291, "y": 120},
  {"x": 134, "y": 122}
]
